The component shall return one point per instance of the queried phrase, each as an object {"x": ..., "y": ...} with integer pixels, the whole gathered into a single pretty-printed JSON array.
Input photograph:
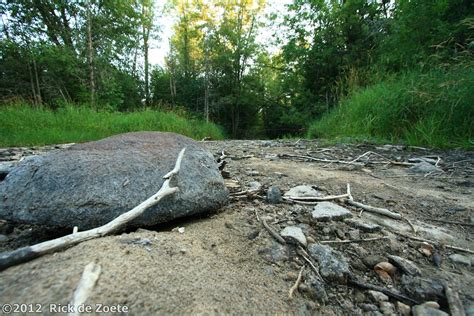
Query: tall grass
[
  {"x": 434, "y": 108},
  {"x": 22, "y": 125}
]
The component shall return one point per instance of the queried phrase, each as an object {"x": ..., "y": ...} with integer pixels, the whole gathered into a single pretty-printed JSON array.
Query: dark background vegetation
[{"x": 398, "y": 71}]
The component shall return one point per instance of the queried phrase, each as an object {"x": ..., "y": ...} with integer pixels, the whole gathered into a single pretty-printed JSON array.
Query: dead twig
[
  {"x": 352, "y": 240},
  {"x": 433, "y": 242},
  {"x": 297, "y": 283},
  {"x": 395, "y": 295},
  {"x": 305, "y": 256},
  {"x": 8, "y": 259},
  {"x": 411, "y": 225},
  {"x": 372, "y": 209},
  {"x": 90, "y": 275},
  {"x": 315, "y": 198},
  {"x": 273, "y": 232}
]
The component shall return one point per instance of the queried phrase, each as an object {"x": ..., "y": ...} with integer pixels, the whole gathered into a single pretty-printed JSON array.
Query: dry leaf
[
  {"x": 385, "y": 271},
  {"x": 426, "y": 249}
]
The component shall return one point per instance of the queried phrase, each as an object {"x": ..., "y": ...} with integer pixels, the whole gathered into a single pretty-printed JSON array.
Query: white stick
[
  {"x": 90, "y": 275},
  {"x": 24, "y": 254}
]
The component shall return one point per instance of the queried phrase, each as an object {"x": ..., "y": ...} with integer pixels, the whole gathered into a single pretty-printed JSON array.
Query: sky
[{"x": 160, "y": 48}]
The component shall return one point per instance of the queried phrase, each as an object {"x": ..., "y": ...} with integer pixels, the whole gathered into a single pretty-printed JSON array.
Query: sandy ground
[{"x": 227, "y": 263}]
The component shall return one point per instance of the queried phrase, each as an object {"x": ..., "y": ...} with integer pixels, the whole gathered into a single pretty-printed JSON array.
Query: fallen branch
[
  {"x": 368, "y": 208},
  {"x": 297, "y": 283},
  {"x": 455, "y": 305},
  {"x": 315, "y": 198},
  {"x": 273, "y": 232},
  {"x": 320, "y": 159},
  {"x": 90, "y": 275},
  {"x": 433, "y": 242},
  {"x": 395, "y": 295},
  {"x": 8, "y": 259},
  {"x": 352, "y": 240}
]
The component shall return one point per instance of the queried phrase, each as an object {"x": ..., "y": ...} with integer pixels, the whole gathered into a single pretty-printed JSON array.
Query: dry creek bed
[{"x": 229, "y": 262}]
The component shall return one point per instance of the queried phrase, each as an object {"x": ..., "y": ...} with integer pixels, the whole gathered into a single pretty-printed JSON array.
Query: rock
[
  {"x": 403, "y": 309},
  {"x": 422, "y": 289},
  {"x": 354, "y": 234},
  {"x": 377, "y": 296},
  {"x": 90, "y": 184},
  {"x": 275, "y": 254},
  {"x": 319, "y": 291},
  {"x": 371, "y": 260},
  {"x": 359, "y": 296},
  {"x": 340, "y": 233},
  {"x": 136, "y": 241},
  {"x": 457, "y": 258},
  {"x": 325, "y": 211},
  {"x": 424, "y": 167},
  {"x": 5, "y": 168},
  {"x": 274, "y": 195},
  {"x": 3, "y": 238},
  {"x": 366, "y": 227},
  {"x": 405, "y": 265},
  {"x": 294, "y": 233},
  {"x": 332, "y": 264},
  {"x": 303, "y": 191},
  {"x": 387, "y": 308},
  {"x": 255, "y": 186},
  {"x": 425, "y": 310},
  {"x": 368, "y": 307}
]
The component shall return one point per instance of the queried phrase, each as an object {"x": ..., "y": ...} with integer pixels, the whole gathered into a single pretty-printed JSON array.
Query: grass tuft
[
  {"x": 23, "y": 125},
  {"x": 433, "y": 109}
]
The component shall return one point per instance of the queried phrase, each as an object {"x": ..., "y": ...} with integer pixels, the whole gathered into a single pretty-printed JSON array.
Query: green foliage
[
  {"x": 433, "y": 108},
  {"x": 23, "y": 125}
]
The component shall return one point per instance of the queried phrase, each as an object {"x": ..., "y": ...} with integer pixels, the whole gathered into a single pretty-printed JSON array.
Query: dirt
[{"x": 228, "y": 263}]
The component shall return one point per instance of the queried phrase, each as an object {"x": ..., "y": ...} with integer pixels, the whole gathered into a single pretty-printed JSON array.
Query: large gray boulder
[{"x": 90, "y": 184}]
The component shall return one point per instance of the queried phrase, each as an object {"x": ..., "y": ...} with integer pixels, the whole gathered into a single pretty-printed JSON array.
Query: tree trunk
[
  {"x": 38, "y": 90},
  {"x": 90, "y": 59},
  {"x": 33, "y": 91}
]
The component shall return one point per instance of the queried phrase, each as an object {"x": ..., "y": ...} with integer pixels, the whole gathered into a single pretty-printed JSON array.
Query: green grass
[
  {"x": 22, "y": 125},
  {"x": 433, "y": 109}
]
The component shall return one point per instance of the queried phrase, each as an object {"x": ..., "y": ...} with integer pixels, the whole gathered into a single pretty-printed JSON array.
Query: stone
[
  {"x": 424, "y": 167},
  {"x": 425, "y": 310},
  {"x": 90, "y": 184},
  {"x": 405, "y": 265},
  {"x": 363, "y": 226},
  {"x": 422, "y": 289},
  {"x": 332, "y": 264},
  {"x": 303, "y": 191},
  {"x": 318, "y": 290},
  {"x": 359, "y": 296},
  {"x": 387, "y": 308},
  {"x": 403, "y": 309},
  {"x": 460, "y": 259},
  {"x": 274, "y": 195},
  {"x": 3, "y": 238},
  {"x": 371, "y": 260},
  {"x": 295, "y": 233},
  {"x": 354, "y": 234},
  {"x": 326, "y": 211},
  {"x": 368, "y": 307},
  {"x": 377, "y": 296},
  {"x": 255, "y": 186}
]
